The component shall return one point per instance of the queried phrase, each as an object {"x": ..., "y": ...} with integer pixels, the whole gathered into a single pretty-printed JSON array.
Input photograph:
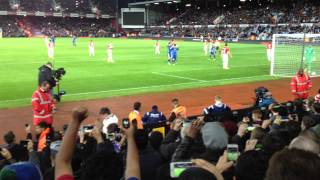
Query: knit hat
[
  {"x": 214, "y": 136},
  {"x": 21, "y": 171}
]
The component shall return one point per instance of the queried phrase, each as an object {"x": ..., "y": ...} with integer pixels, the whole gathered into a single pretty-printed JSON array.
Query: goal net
[{"x": 290, "y": 52}]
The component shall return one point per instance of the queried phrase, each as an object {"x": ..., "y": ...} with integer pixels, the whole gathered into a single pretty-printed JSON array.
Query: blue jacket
[
  {"x": 216, "y": 109},
  {"x": 153, "y": 117}
]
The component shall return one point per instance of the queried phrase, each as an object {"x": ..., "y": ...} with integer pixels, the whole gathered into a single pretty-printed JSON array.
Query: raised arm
[
  {"x": 133, "y": 160},
  {"x": 64, "y": 156}
]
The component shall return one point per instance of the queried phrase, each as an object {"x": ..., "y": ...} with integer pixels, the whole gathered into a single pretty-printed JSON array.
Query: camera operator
[{"x": 46, "y": 74}]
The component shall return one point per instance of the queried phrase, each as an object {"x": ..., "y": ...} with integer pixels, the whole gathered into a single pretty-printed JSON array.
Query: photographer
[{"x": 46, "y": 74}]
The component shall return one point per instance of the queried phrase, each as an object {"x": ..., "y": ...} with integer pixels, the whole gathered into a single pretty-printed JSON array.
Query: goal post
[
  {"x": 290, "y": 52},
  {"x": 0, "y": 32}
]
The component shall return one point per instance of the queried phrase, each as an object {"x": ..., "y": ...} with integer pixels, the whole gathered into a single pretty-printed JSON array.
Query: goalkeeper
[{"x": 309, "y": 57}]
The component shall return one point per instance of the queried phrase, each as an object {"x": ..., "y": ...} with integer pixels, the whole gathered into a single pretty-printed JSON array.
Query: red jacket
[
  {"x": 300, "y": 86},
  {"x": 42, "y": 104}
]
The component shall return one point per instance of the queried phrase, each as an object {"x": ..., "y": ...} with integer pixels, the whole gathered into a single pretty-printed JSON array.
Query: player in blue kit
[
  {"x": 213, "y": 52},
  {"x": 169, "y": 52},
  {"x": 174, "y": 51},
  {"x": 74, "y": 41}
]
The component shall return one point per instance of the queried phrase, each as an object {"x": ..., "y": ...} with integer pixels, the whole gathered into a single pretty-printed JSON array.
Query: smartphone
[
  {"x": 176, "y": 168},
  {"x": 24, "y": 143},
  {"x": 250, "y": 128},
  {"x": 232, "y": 152},
  {"x": 88, "y": 128},
  {"x": 126, "y": 123}
]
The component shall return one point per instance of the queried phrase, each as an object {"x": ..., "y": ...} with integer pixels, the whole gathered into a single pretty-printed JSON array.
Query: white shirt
[{"x": 110, "y": 119}]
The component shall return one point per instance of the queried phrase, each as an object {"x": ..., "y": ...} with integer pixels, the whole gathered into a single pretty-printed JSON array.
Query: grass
[{"x": 136, "y": 68}]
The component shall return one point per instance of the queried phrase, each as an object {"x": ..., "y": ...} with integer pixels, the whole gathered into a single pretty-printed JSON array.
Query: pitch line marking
[
  {"x": 179, "y": 77},
  {"x": 143, "y": 87}
]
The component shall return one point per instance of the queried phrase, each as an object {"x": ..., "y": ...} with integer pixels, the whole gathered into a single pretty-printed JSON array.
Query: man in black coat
[{"x": 45, "y": 74}]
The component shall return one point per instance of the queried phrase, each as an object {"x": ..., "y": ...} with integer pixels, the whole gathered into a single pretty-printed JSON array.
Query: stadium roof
[{"x": 153, "y": 2}]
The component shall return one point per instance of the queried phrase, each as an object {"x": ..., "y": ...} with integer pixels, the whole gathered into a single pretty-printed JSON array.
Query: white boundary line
[
  {"x": 144, "y": 87},
  {"x": 179, "y": 77}
]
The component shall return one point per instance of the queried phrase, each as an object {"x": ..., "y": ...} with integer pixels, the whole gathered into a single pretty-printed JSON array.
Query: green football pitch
[{"x": 136, "y": 69}]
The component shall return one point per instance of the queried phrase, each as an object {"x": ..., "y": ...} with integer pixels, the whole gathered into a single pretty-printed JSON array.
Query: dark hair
[
  {"x": 316, "y": 107},
  {"x": 44, "y": 83},
  {"x": 105, "y": 110},
  {"x": 137, "y": 106},
  {"x": 175, "y": 100},
  {"x": 9, "y": 137},
  {"x": 154, "y": 107},
  {"x": 141, "y": 138},
  {"x": 103, "y": 165},
  {"x": 43, "y": 124},
  {"x": 155, "y": 139},
  {"x": 196, "y": 173},
  {"x": 273, "y": 143},
  {"x": 308, "y": 121},
  {"x": 293, "y": 164},
  {"x": 251, "y": 165},
  {"x": 258, "y": 133}
]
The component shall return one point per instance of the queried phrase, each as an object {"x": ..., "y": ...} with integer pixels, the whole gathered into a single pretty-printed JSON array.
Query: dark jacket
[
  {"x": 153, "y": 116},
  {"x": 45, "y": 74}
]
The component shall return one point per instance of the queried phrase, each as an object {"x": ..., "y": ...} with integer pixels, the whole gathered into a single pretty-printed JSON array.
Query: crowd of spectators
[
  {"x": 275, "y": 141},
  {"x": 66, "y": 6},
  {"x": 13, "y": 26}
]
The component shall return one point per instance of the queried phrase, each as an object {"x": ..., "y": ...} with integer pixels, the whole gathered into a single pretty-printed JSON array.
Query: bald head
[{"x": 305, "y": 143}]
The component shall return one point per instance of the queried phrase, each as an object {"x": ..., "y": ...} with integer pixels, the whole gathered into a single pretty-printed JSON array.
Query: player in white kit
[
  {"x": 157, "y": 46},
  {"x": 91, "y": 48},
  {"x": 50, "y": 47},
  {"x": 205, "y": 47},
  {"x": 225, "y": 53},
  {"x": 109, "y": 52},
  {"x": 269, "y": 51}
]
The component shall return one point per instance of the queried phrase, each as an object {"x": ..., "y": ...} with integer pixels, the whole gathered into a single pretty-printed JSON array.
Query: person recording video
[{"x": 46, "y": 74}]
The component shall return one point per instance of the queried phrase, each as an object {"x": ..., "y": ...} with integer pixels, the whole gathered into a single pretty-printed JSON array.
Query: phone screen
[
  {"x": 177, "y": 168},
  {"x": 232, "y": 152}
]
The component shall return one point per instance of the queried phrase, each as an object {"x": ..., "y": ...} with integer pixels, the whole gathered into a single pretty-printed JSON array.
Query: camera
[{"x": 57, "y": 74}]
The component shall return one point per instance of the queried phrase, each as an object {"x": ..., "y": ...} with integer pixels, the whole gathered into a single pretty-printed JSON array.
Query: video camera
[{"x": 57, "y": 75}]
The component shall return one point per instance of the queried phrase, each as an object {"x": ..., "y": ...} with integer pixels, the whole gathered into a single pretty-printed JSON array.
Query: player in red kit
[
  {"x": 225, "y": 53},
  {"x": 269, "y": 51},
  {"x": 157, "y": 50},
  {"x": 91, "y": 48}
]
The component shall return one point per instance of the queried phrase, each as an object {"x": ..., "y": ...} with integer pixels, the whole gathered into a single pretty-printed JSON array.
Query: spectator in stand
[
  {"x": 154, "y": 116},
  {"x": 43, "y": 104},
  {"x": 266, "y": 100},
  {"x": 135, "y": 115},
  {"x": 306, "y": 144},
  {"x": 251, "y": 165},
  {"x": 107, "y": 118},
  {"x": 292, "y": 163},
  {"x": 317, "y": 97}
]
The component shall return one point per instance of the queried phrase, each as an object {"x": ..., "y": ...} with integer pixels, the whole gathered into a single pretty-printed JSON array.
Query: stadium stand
[
  {"x": 274, "y": 140},
  {"x": 261, "y": 133}
]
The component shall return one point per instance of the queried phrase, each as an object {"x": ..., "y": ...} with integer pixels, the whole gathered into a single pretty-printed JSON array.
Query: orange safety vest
[
  {"x": 43, "y": 140},
  {"x": 136, "y": 115},
  {"x": 180, "y": 111}
]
